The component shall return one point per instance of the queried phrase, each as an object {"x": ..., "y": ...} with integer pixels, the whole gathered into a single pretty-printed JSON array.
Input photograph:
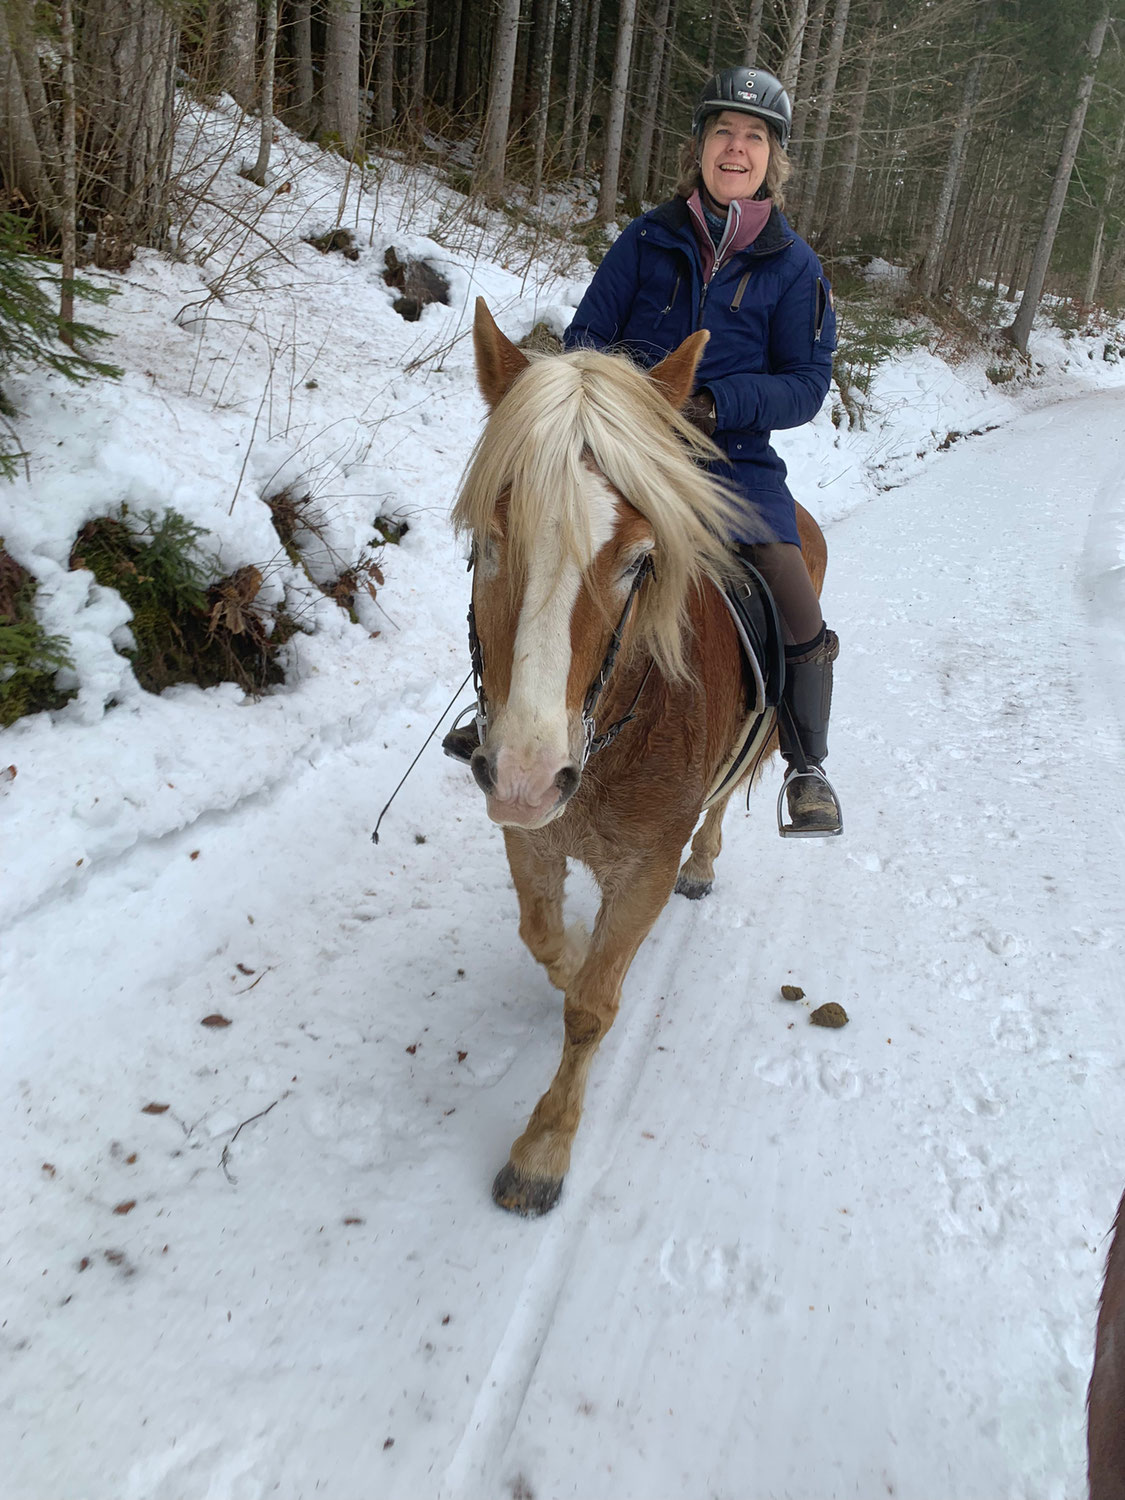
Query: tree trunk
[
  {"x": 238, "y": 40},
  {"x": 69, "y": 172},
  {"x": 453, "y": 54},
  {"x": 752, "y": 42},
  {"x": 416, "y": 109},
  {"x": 658, "y": 169},
  {"x": 806, "y": 79},
  {"x": 544, "y": 91},
  {"x": 385, "y": 68},
  {"x": 578, "y": 12},
  {"x": 303, "y": 84},
  {"x": 269, "y": 48},
  {"x": 939, "y": 238},
  {"x": 1094, "y": 274},
  {"x": 341, "y": 74},
  {"x": 642, "y": 160},
  {"x": 853, "y": 129},
  {"x": 30, "y": 161},
  {"x": 125, "y": 69},
  {"x": 588, "y": 87},
  {"x": 713, "y": 39},
  {"x": 1020, "y": 330},
  {"x": 494, "y": 139},
  {"x": 810, "y": 190},
  {"x": 615, "y": 122},
  {"x": 794, "y": 43}
]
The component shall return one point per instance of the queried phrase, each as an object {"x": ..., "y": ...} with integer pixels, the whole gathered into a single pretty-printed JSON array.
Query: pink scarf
[{"x": 746, "y": 218}]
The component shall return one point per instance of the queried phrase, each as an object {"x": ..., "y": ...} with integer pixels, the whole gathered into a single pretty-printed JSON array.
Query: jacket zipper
[{"x": 672, "y": 298}]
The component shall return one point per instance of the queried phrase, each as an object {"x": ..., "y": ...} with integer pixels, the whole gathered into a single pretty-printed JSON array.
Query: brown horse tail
[{"x": 1105, "y": 1434}]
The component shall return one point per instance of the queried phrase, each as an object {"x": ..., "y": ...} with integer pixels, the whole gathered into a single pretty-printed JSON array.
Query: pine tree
[{"x": 31, "y": 329}]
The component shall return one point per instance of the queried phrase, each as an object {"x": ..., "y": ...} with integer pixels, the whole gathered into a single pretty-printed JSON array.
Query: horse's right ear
[
  {"x": 675, "y": 374},
  {"x": 498, "y": 359}
]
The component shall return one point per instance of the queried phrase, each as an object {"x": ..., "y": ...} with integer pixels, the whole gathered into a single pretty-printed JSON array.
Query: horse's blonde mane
[{"x": 565, "y": 412}]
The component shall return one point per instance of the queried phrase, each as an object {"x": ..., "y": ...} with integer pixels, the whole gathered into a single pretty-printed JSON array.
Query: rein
[{"x": 592, "y": 741}]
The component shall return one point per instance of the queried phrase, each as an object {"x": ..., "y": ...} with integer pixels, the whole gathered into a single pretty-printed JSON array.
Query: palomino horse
[
  {"x": 1106, "y": 1427},
  {"x": 597, "y": 539}
]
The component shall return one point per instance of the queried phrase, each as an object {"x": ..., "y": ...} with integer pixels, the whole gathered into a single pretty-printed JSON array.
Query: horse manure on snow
[{"x": 829, "y": 1015}]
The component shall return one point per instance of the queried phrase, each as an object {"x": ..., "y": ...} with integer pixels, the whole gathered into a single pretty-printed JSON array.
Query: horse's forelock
[{"x": 566, "y": 412}]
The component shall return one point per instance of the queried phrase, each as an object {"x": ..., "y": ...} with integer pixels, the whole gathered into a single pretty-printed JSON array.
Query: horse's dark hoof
[
  {"x": 530, "y": 1196},
  {"x": 694, "y": 890}
]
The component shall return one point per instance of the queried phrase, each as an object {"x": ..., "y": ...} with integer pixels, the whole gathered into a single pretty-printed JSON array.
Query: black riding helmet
[{"x": 751, "y": 91}]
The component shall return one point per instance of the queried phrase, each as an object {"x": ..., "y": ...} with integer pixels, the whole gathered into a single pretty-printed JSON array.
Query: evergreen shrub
[
  {"x": 29, "y": 657},
  {"x": 30, "y": 326},
  {"x": 188, "y": 624}
]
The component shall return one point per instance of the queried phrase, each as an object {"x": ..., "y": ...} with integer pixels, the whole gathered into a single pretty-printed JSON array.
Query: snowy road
[{"x": 789, "y": 1264}]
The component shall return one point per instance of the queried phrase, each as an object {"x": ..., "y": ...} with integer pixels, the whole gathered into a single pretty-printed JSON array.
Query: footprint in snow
[{"x": 1015, "y": 1030}]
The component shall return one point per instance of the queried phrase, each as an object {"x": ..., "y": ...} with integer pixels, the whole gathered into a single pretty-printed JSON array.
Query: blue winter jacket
[{"x": 768, "y": 363}]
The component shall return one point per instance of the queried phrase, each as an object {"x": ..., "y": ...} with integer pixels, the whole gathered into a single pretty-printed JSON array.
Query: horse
[
  {"x": 1105, "y": 1430},
  {"x": 610, "y": 686}
]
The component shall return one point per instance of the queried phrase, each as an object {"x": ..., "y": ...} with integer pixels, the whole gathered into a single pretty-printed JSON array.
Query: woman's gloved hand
[{"x": 700, "y": 411}]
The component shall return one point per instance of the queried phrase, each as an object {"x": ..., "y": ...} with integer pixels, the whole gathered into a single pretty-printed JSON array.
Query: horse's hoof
[
  {"x": 694, "y": 890},
  {"x": 530, "y": 1196}
]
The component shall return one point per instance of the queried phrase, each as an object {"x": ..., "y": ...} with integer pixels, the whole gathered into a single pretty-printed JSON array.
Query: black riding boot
[
  {"x": 814, "y": 810},
  {"x": 460, "y": 743}
]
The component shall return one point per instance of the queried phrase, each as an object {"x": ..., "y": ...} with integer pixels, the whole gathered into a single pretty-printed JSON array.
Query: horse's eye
[
  {"x": 488, "y": 556},
  {"x": 632, "y": 568}
]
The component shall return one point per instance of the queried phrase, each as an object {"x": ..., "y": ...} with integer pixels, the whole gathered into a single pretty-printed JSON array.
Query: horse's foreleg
[
  {"x": 697, "y": 874},
  {"x": 532, "y": 1180},
  {"x": 539, "y": 880}
]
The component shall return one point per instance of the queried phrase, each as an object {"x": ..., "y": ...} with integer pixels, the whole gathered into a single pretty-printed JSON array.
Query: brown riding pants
[{"x": 783, "y": 567}]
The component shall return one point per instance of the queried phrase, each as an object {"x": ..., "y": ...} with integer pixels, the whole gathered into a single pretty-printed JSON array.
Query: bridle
[{"x": 592, "y": 741}]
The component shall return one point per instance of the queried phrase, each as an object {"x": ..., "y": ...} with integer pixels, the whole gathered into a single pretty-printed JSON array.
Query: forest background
[{"x": 980, "y": 143}]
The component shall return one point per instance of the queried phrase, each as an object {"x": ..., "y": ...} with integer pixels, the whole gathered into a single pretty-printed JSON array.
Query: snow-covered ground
[{"x": 788, "y": 1262}]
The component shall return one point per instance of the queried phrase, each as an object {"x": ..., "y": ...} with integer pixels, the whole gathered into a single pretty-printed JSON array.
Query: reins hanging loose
[{"x": 417, "y": 758}]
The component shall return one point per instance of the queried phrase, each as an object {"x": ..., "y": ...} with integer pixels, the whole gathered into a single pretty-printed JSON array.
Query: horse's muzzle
[{"x": 522, "y": 800}]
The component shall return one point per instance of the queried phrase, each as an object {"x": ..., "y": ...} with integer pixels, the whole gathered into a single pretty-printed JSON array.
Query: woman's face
[{"x": 735, "y": 155}]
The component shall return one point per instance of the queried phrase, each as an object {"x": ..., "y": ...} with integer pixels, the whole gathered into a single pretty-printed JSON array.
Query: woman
[{"x": 720, "y": 256}]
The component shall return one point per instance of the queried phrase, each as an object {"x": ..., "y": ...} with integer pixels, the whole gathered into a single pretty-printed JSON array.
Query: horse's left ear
[
  {"x": 675, "y": 374},
  {"x": 498, "y": 359}
]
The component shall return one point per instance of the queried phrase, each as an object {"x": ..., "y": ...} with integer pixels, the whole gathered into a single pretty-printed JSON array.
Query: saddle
[{"x": 752, "y": 608}]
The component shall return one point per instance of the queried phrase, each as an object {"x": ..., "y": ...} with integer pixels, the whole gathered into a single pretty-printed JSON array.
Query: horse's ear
[
  {"x": 675, "y": 374},
  {"x": 498, "y": 359}
]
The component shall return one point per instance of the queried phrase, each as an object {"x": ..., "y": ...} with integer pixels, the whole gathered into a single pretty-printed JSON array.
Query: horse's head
[{"x": 559, "y": 550}]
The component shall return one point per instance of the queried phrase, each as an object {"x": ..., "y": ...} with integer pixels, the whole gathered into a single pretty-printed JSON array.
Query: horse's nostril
[
  {"x": 567, "y": 781},
  {"x": 483, "y": 774}
]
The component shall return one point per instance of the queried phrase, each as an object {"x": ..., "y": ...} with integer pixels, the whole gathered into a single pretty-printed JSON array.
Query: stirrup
[{"x": 792, "y": 830}]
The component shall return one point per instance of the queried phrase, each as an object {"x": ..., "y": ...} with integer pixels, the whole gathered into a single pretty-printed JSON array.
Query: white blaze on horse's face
[{"x": 533, "y": 753}]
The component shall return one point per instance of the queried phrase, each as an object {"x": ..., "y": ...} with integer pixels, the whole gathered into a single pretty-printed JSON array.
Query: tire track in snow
[{"x": 476, "y": 1468}]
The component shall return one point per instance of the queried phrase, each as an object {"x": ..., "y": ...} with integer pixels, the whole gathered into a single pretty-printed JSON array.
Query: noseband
[{"x": 592, "y": 741}]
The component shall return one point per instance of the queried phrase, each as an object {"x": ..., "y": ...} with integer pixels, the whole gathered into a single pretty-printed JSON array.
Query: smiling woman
[
  {"x": 734, "y": 156},
  {"x": 721, "y": 257}
]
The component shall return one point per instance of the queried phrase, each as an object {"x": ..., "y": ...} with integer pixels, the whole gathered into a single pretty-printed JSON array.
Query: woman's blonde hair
[{"x": 778, "y": 172}]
